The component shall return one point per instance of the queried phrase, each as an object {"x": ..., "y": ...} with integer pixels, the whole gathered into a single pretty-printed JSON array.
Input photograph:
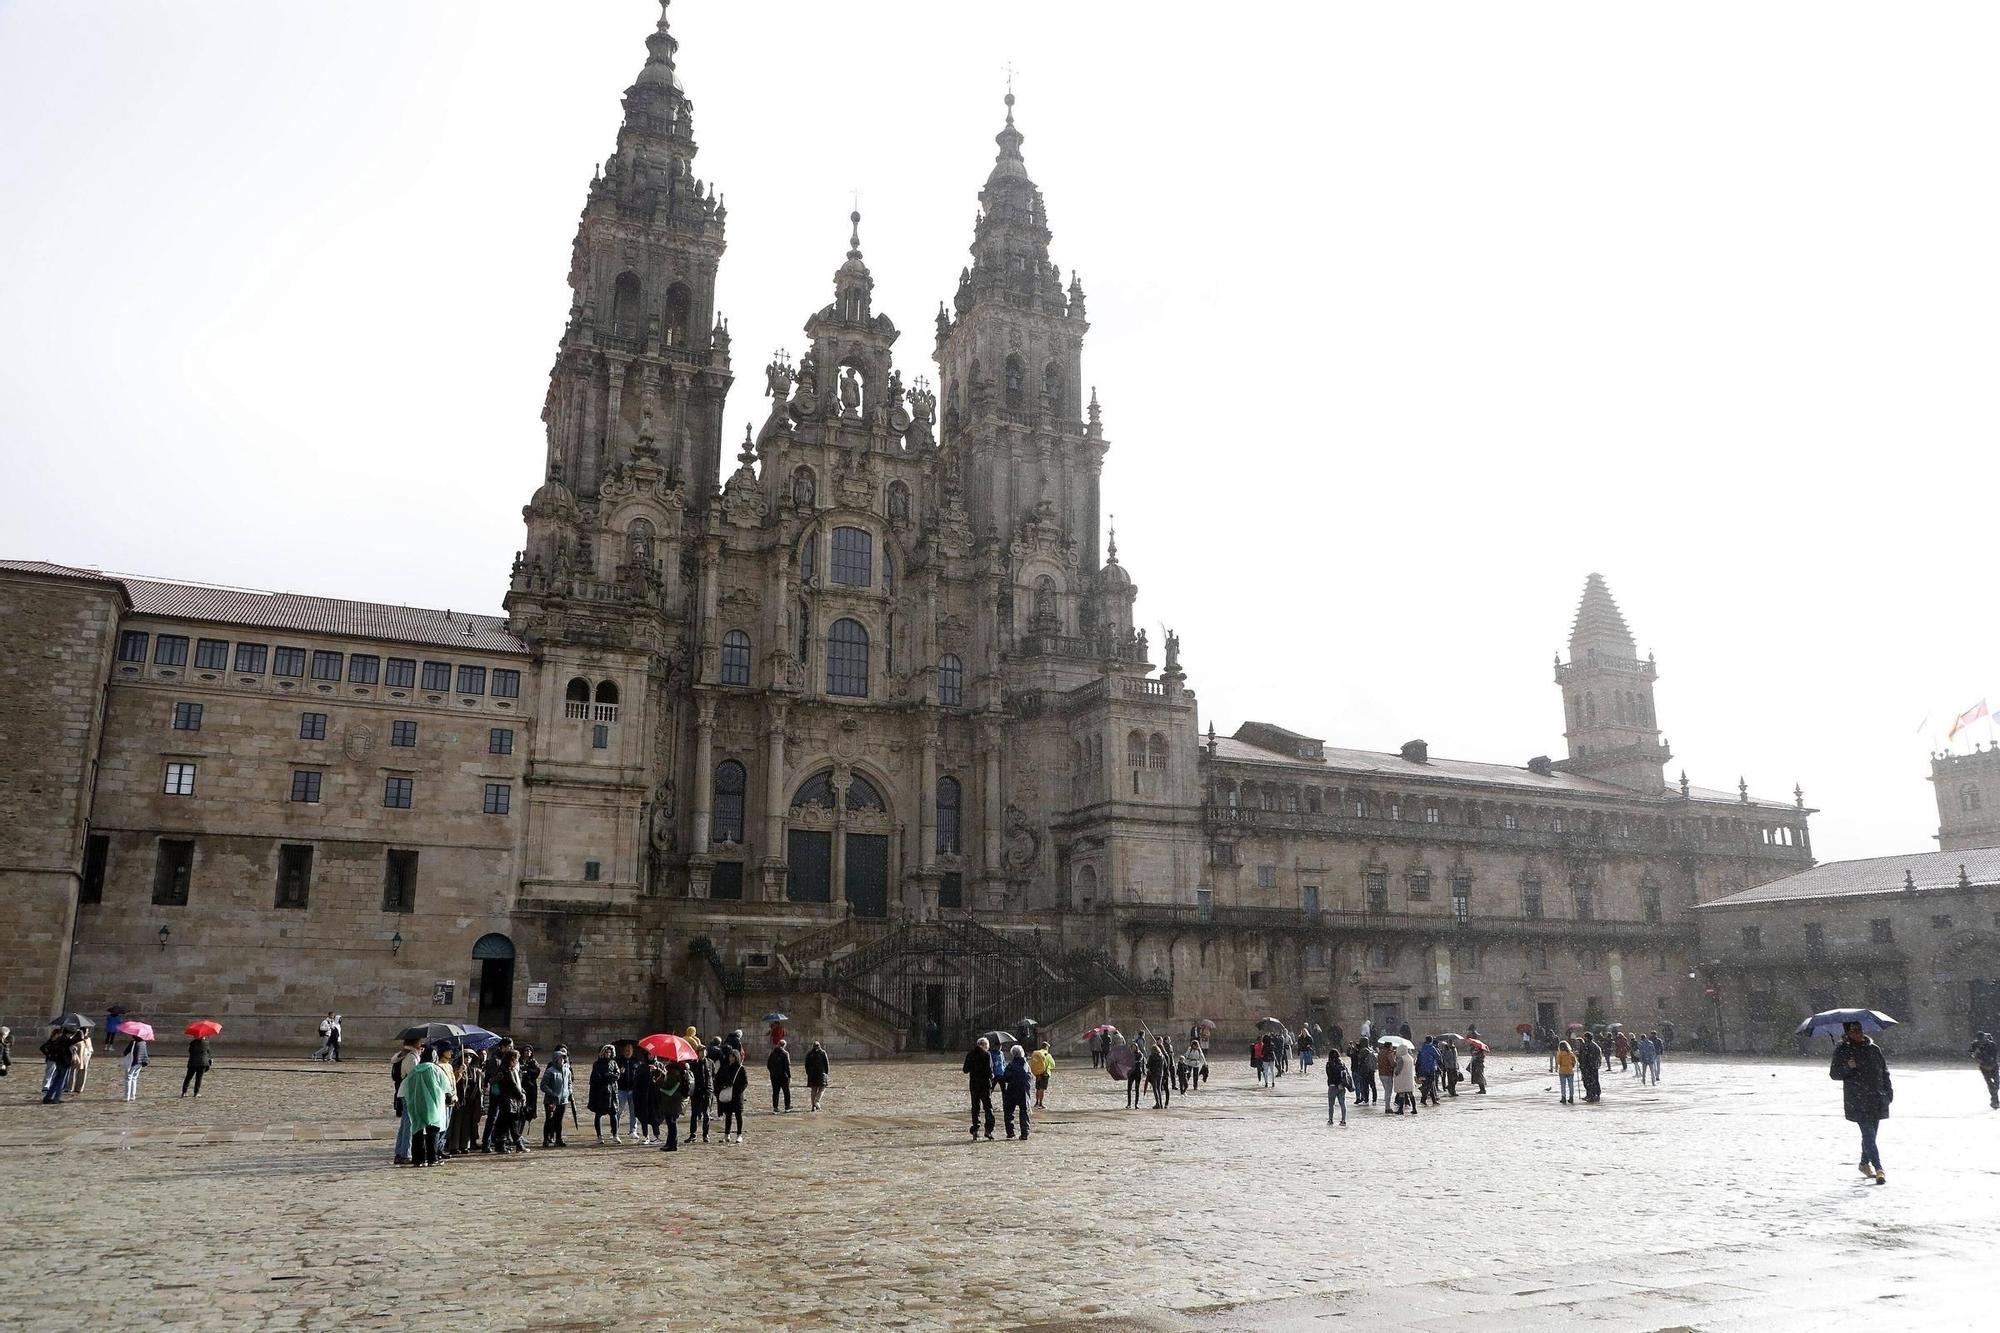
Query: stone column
[
  {"x": 1442, "y": 953},
  {"x": 611, "y": 420},
  {"x": 774, "y": 786},
  {"x": 704, "y": 779},
  {"x": 1614, "y": 963},
  {"x": 992, "y": 828},
  {"x": 927, "y": 806},
  {"x": 837, "y": 890}
]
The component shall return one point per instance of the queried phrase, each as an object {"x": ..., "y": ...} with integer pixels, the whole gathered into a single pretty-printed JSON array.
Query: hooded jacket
[{"x": 1865, "y": 1092}]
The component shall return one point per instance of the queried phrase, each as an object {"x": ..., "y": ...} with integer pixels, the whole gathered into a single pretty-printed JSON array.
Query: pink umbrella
[{"x": 137, "y": 1031}]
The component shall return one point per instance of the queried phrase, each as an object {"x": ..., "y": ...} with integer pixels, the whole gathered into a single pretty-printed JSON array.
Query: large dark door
[
  {"x": 496, "y": 994},
  {"x": 1388, "y": 1017},
  {"x": 810, "y": 876},
  {"x": 930, "y": 1003},
  {"x": 1545, "y": 1015},
  {"x": 868, "y": 873},
  {"x": 1985, "y": 1006}
]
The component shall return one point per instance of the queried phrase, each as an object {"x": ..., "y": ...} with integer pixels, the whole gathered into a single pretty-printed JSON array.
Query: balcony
[
  {"x": 1439, "y": 925},
  {"x": 1567, "y": 842}
]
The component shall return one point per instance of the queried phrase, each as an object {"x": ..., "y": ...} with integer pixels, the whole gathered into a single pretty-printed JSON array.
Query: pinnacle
[{"x": 1599, "y": 624}]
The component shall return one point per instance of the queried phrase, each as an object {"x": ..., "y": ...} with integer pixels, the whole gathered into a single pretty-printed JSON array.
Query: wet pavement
[{"x": 1727, "y": 1197}]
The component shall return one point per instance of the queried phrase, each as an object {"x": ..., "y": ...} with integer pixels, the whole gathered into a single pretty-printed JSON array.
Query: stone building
[
  {"x": 1967, "y": 787},
  {"x": 859, "y": 726}
]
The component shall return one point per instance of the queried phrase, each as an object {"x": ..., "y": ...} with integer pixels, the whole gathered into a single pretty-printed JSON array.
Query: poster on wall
[
  {"x": 442, "y": 992},
  {"x": 538, "y": 992}
]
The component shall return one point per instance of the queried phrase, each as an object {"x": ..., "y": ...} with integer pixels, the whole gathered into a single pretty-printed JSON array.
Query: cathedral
[{"x": 848, "y": 719}]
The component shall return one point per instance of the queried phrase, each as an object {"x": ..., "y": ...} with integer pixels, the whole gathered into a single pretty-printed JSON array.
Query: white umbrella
[{"x": 1394, "y": 1041}]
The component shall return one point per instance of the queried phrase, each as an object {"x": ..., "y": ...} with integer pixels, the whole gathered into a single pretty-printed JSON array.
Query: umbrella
[
  {"x": 1524, "y": 1027},
  {"x": 137, "y": 1031},
  {"x": 70, "y": 1021},
  {"x": 1118, "y": 1064},
  {"x": 1575, "y": 1027},
  {"x": 468, "y": 1035},
  {"x": 1476, "y": 1044},
  {"x": 203, "y": 1027},
  {"x": 1395, "y": 1041},
  {"x": 773, "y": 1017},
  {"x": 667, "y": 1046},
  {"x": 999, "y": 1040},
  {"x": 1208, "y": 1023},
  {"x": 1451, "y": 1036},
  {"x": 1097, "y": 1031},
  {"x": 1270, "y": 1025},
  {"x": 1029, "y": 1023},
  {"x": 1833, "y": 1020}
]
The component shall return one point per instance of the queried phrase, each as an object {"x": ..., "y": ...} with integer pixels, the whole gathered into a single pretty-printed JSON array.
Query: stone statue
[
  {"x": 850, "y": 392},
  {"x": 777, "y": 381},
  {"x": 1173, "y": 654},
  {"x": 899, "y": 415},
  {"x": 805, "y": 398},
  {"x": 1022, "y": 844},
  {"x": 899, "y": 505},
  {"x": 923, "y": 415},
  {"x": 1139, "y": 637}
]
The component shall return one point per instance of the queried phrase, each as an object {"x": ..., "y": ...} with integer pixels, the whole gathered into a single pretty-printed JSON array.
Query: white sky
[{"x": 1405, "y": 319}]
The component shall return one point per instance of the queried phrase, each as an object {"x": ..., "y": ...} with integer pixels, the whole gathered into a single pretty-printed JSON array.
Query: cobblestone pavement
[{"x": 1725, "y": 1198}]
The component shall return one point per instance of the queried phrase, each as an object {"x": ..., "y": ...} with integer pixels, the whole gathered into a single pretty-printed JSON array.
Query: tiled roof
[
  {"x": 294, "y": 611},
  {"x": 1875, "y": 874}
]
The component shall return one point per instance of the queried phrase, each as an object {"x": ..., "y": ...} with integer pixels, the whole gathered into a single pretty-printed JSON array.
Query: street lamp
[
  {"x": 576, "y": 952},
  {"x": 395, "y": 944},
  {"x": 164, "y": 933}
]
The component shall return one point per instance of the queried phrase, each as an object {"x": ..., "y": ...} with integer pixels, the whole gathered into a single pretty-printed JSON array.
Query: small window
[
  {"x": 736, "y": 658},
  {"x": 437, "y": 676},
  {"x": 1753, "y": 938},
  {"x": 187, "y": 717},
  {"x": 1420, "y": 886},
  {"x": 363, "y": 669},
  {"x": 403, "y": 733},
  {"x": 950, "y": 800},
  {"x": 500, "y": 740},
  {"x": 1377, "y": 882},
  {"x": 1432, "y": 815},
  {"x": 951, "y": 889},
  {"x": 847, "y": 659},
  {"x": 399, "y": 881},
  {"x": 1510, "y": 820},
  {"x": 1381, "y": 955},
  {"x": 1267, "y": 876},
  {"x": 326, "y": 666},
  {"x": 591, "y": 870},
  {"x": 1815, "y": 939},
  {"x": 179, "y": 780},
  {"x": 1225, "y": 853},
  {"x": 472, "y": 680},
  {"x": 211, "y": 654},
  {"x": 295, "y": 865},
  {"x": 96, "y": 853},
  {"x": 506, "y": 683},
  {"x": 1589, "y": 961},
  {"x": 1470, "y": 1004},
  {"x": 1650, "y": 902},
  {"x": 1309, "y": 899},
  {"x": 132, "y": 645},
  {"x": 1585, "y": 908},
  {"x": 1531, "y": 899},
  {"x": 312, "y": 726},
  {"x": 305, "y": 787},
  {"x": 498, "y": 797},
  {"x": 173, "y": 869},
  {"x": 725, "y": 881},
  {"x": 401, "y": 673},
  {"x": 1882, "y": 930},
  {"x": 251, "y": 658},
  {"x": 397, "y": 792},
  {"x": 288, "y": 661},
  {"x": 1461, "y": 896},
  {"x": 1257, "y": 980},
  {"x": 170, "y": 650},
  {"x": 600, "y": 737},
  {"x": 1539, "y": 956},
  {"x": 1556, "y": 824},
  {"x": 1941, "y": 921},
  {"x": 853, "y": 555}
]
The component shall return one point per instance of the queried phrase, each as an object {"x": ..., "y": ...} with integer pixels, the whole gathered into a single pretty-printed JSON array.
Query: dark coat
[
  {"x": 1863, "y": 1074},
  {"x": 780, "y": 1065},
  {"x": 645, "y": 1096},
  {"x": 978, "y": 1071},
  {"x": 1589, "y": 1056},
  {"x": 1336, "y": 1070},
  {"x": 198, "y": 1057},
  {"x": 604, "y": 1086},
  {"x": 1016, "y": 1082},
  {"x": 504, "y": 1091},
  {"x": 816, "y": 1068}
]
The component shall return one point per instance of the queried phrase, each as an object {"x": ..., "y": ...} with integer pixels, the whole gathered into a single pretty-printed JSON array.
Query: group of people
[
  {"x": 464, "y": 1101},
  {"x": 1588, "y": 1058},
  {"x": 68, "y": 1051}
]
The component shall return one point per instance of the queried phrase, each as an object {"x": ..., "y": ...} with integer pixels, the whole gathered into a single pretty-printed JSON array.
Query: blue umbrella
[
  {"x": 469, "y": 1035},
  {"x": 1833, "y": 1021}
]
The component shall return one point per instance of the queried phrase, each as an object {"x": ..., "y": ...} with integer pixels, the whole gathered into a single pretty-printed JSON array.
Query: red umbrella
[
  {"x": 1575, "y": 1027},
  {"x": 204, "y": 1027},
  {"x": 1524, "y": 1027},
  {"x": 666, "y": 1046},
  {"x": 1476, "y": 1044}
]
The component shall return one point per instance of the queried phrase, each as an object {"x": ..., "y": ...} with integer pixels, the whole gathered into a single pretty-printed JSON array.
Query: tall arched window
[
  {"x": 576, "y": 698},
  {"x": 948, "y": 803},
  {"x": 736, "y": 658},
  {"x": 607, "y": 692},
  {"x": 625, "y": 317},
  {"x": 1017, "y": 384},
  {"x": 853, "y": 557},
  {"x": 678, "y": 318},
  {"x": 1135, "y": 750},
  {"x": 951, "y": 681},
  {"x": 1156, "y": 756},
  {"x": 726, "y": 823},
  {"x": 847, "y": 659},
  {"x": 1052, "y": 388},
  {"x": 1968, "y": 799}
]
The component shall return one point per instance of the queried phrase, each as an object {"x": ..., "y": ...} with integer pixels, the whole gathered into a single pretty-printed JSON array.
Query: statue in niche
[
  {"x": 805, "y": 399},
  {"x": 899, "y": 415},
  {"x": 899, "y": 505},
  {"x": 850, "y": 392},
  {"x": 639, "y": 544},
  {"x": 805, "y": 489},
  {"x": 1173, "y": 654}
]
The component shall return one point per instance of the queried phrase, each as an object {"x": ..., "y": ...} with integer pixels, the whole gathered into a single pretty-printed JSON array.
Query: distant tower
[
  {"x": 1968, "y": 799},
  {"x": 1612, "y": 731}
]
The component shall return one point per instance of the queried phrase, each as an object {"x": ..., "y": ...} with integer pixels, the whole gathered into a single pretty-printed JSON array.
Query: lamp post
[
  {"x": 1714, "y": 992},
  {"x": 395, "y": 944},
  {"x": 164, "y": 934}
]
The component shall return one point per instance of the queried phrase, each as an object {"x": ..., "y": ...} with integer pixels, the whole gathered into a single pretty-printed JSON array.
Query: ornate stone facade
[{"x": 863, "y": 729}]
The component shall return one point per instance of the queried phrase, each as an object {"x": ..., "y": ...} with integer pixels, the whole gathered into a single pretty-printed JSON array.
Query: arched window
[
  {"x": 1047, "y": 618},
  {"x": 726, "y": 823},
  {"x": 678, "y": 318},
  {"x": 804, "y": 614},
  {"x": 805, "y": 489},
  {"x": 1052, "y": 387},
  {"x": 1968, "y": 798},
  {"x": 948, "y": 803},
  {"x": 1086, "y": 884},
  {"x": 576, "y": 699},
  {"x": 1590, "y": 708},
  {"x": 607, "y": 692},
  {"x": 639, "y": 544},
  {"x": 861, "y": 794},
  {"x": 625, "y": 305},
  {"x": 1135, "y": 750},
  {"x": 951, "y": 681},
  {"x": 1017, "y": 384},
  {"x": 1156, "y": 754},
  {"x": 736, "y": 658},
  {"x": 816, "y": 792},
  {"x": 847, "y": 659},
  {"x": 853, "y": 556},
  {"x": 899, "y": 504},
  {"x": 888, "y": 571}
]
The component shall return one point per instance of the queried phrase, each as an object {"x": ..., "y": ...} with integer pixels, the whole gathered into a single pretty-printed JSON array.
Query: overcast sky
[{"x": 1404, "y": 319}]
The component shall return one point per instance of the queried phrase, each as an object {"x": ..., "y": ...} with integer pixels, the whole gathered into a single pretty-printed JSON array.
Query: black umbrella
[
  {"x": 1270, "y": 1025},
  {"x": 999, "y": 1040},
  {"x": 451, "y": 1034},
  {"x": 70, "y": 1021}
]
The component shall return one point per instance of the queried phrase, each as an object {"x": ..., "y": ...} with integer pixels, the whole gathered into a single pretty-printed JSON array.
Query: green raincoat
[{"x": 424, "y": 1089}]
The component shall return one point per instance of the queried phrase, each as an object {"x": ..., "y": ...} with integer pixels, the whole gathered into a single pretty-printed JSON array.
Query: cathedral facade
[{"x": 849, "y": 718}]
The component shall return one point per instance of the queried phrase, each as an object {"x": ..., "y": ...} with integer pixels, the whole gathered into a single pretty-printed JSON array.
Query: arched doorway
[{"x": 493, "y": 981}]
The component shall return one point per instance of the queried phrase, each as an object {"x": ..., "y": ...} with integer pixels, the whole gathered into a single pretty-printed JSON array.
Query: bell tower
[{"x": 1612, "y": 731}]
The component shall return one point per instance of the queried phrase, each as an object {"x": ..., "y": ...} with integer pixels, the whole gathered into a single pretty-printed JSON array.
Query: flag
[{"x": 1967, "y": 718}]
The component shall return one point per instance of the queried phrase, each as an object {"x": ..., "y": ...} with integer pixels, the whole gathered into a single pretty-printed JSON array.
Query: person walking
[
  {"x": 1385, "y": 1071},
  {"x": 1405, "y": 1065},
  {"x": 1042, "y": 1064},
  {"x": 1621, "y": 1047},
  {"x": 1865, "y": 1091},
  {"x": 555, "y": 1089},
  {"x": 1305, "y": 1049},
  {"x": 779, "y": 1064},
  {"x": 732, "y": 1080},
  {"x": 1190, "y": 1063},
  {"x": 1590, "y": 1059},
  {"x": 1338, "y": 1084},
  {"x": 400, "y": 1065},
  {"x": 1565, "y": 1062},
  {"x": 603, "y": 1093},
  {"x": 1448, "y": 1066},
  {"x": 1135, "y": 1076},
  {"x": 817, "y": 1069},
  {"x": 1427, "y": 1071},
  {"x": 979, "y": 1084},
  {"x": 325, "y": 1037},
  {"x": 1986, "y": 1054},
  {"x": 136, "y": 1059},
  {"x": 427, "y": 1097},
  {"x": 1014, "y": 1085},
  {"x": 199, "y": 1063},
  {"x": 57, "y": 1051},
  {"x": 1659, "y": 1050}
]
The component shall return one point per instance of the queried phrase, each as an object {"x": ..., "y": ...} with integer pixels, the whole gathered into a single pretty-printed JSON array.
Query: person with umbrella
[
  {"x": 199, "y": 1060},
  {"x": 1475, "y": 1068},
  {"x": 817, "y": 1069},
  {"x": 137, "y": 1055},
  {"x": 58, "y": 1050},
  {"x": 1863, "y": 1074},
  {"x": 1986, "y": 1054}
]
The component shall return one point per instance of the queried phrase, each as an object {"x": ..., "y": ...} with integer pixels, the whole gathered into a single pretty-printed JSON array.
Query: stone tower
[
  {"x": 1968, "y": 798},
  {"x": 1612, "y": 730},
  {"x": 634, "y": 428}
]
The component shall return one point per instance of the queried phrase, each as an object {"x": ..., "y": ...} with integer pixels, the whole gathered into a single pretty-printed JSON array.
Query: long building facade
[{"x": 850, "y": 718}]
